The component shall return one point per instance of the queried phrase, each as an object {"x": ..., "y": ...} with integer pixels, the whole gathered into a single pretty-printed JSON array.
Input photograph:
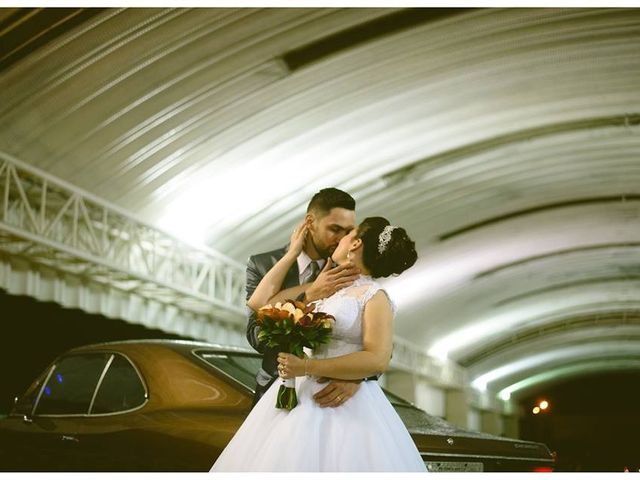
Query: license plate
[{"x": 454, "y": 466}]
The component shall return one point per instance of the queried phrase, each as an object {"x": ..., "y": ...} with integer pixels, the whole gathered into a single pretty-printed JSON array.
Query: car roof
[{"x": 183, "y": 345}]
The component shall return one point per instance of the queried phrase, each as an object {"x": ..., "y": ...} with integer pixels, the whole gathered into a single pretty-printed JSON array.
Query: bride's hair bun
[{"x": 398, "y": 253}]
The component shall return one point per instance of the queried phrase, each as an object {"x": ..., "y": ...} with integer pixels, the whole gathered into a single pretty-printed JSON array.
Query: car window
[
  {"x": 121, "y": 388},
  {"x": 72, "y": 384},
  {"x": 26, "y": 402},
  {"x": 242, "y": 367}
]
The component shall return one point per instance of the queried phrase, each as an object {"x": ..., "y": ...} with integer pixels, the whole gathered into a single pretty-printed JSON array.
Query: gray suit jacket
[{"x": 257, "y": 268}]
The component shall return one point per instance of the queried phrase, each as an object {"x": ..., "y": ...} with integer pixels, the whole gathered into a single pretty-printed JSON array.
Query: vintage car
[{"x": 167, "y": 405}]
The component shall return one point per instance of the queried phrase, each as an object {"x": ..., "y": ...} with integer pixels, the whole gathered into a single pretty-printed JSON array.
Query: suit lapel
[{"x": 292, "y": 278}]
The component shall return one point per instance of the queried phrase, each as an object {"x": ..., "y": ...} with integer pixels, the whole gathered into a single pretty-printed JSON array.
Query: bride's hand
[
  {"x": 290, "y": 366},
  {"x": 296, "y": 243}
]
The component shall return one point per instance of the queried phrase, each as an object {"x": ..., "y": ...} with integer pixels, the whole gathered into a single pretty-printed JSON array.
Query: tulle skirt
[{"x": 363, "y": 434}]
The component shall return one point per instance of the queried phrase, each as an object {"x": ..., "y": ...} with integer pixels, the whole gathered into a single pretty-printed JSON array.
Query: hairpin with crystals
[{"x": 384, "y": 238}]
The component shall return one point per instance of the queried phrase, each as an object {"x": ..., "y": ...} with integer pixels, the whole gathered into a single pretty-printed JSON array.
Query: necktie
[{"x": 313, "y": 270}]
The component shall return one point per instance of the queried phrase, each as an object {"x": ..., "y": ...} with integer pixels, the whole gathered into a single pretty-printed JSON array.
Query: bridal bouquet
[{"x": 290, "y": 326}]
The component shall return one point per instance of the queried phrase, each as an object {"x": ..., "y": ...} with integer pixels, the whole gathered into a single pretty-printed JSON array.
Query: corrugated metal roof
[{"x": 460, "y": 129}]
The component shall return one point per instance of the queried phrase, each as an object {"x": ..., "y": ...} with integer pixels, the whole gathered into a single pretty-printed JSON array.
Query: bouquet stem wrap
[{"x": 287, "y": 397}]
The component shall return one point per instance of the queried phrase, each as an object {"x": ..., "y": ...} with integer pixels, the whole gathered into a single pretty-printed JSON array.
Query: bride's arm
[
  {"x": 271, "y": 283},
  {"x": 289, "y": 293},
  {"x": 377, "y": 339}
]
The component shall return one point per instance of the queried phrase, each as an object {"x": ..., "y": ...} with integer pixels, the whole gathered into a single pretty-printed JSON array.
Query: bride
[{"x": 364, "y": 433}]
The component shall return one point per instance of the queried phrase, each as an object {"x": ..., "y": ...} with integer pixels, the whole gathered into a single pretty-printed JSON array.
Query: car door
[
  {"x": 113, "y": 436},
  {"x": 49, "y": 435},
  {"x": 19, "y": 446}
]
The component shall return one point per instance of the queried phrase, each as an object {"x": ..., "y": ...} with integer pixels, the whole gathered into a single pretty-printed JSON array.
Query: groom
[{"x": 331, "y": 215}]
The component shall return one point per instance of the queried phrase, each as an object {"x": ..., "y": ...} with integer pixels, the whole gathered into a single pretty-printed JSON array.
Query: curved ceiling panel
[
  {"x": 571, "y": 336},
  {"x": 509, "y": 374},
  {"x": 577, "y": 369},
  {"x": 534, "y": 338},
  {"x": 505, "y": 140}
]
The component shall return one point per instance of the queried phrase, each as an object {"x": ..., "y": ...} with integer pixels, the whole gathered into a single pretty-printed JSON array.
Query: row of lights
[{"x": 542, "y": 406}]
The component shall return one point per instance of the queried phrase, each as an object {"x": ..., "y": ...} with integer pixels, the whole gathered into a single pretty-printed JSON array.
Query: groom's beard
[{"x": 323, "y": 252}]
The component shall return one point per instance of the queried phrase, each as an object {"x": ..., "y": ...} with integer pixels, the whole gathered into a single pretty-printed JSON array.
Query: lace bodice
[{"x": 347, "y": 306}]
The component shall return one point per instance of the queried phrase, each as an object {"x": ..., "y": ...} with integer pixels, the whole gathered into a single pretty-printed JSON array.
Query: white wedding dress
[{"x": 363, "y": 434}]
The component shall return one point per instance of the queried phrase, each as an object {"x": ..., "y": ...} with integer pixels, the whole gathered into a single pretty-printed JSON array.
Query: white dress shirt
[{"x": 304, "y": 266}]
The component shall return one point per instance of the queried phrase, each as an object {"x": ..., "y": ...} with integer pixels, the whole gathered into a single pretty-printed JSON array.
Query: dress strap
[{"x": 371, "y": 291}]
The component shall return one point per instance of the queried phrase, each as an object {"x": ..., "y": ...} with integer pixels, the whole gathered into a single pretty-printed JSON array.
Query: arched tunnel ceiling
[{"x": 505, "y": 140}]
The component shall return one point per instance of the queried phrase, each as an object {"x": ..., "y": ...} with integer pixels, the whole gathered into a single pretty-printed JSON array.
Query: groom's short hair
[{"x": 328, "y": 198}]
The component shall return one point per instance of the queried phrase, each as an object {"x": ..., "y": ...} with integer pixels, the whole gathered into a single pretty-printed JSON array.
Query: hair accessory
[{"x": 384, "y": 238}]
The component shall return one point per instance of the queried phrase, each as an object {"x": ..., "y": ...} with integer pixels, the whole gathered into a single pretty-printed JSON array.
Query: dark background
[
  {"x": 593, "y": 422},
  {"x": 34, "y": 333}
]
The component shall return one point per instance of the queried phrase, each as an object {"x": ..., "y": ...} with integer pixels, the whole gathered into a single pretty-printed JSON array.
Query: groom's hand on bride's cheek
[{"x": 330, "y": 280}]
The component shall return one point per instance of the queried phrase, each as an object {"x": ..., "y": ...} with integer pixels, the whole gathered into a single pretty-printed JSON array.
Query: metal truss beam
[{"x": 51, "y": 222}]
